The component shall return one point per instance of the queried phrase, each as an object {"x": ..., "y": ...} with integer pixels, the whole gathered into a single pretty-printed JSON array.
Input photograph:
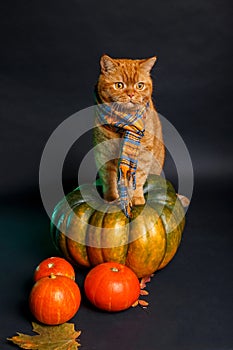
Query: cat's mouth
[{"x": 129, "y": 106}]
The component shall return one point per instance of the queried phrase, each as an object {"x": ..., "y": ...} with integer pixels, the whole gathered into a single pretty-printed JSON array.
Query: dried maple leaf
[{"x": 61, "y": 337}]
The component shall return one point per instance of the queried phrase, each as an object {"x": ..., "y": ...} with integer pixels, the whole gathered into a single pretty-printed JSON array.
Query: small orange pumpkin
[
  {"x": 56, "y": 266},
  {"x": 112, "y": 287},
  {"x": 54, "y": 300}
]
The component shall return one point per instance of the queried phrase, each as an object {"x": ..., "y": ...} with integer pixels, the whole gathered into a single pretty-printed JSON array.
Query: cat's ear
[
  {"x": 107, "y": 64},
  {"x": 148, "y": 63}
]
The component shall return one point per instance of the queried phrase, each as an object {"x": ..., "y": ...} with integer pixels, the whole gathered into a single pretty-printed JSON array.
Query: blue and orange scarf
[{"x": 132, "y": 127}]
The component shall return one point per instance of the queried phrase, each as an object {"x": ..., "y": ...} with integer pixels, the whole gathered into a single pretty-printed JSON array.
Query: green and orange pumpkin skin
[{"x": 89, "y": 231}]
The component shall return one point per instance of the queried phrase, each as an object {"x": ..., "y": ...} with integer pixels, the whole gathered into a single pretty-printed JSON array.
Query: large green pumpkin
[{"x": 89, "y": 231}]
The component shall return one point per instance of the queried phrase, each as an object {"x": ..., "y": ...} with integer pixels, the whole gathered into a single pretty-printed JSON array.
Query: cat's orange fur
[{"x": 152, "y": 151}]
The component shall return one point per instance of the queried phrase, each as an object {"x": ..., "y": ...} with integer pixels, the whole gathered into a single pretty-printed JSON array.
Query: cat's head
[{"x": 125, "y": 81}]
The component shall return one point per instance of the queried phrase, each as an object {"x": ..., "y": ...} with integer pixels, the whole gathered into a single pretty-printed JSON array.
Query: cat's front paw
[
  {"x": 110, "y": 197},
  {"x": 138, "y": 201}
]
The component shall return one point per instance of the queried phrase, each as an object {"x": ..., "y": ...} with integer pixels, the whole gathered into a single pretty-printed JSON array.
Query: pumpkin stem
[
  {"x": 50, "y": 265},
  {"x": 114, "y": 269}
]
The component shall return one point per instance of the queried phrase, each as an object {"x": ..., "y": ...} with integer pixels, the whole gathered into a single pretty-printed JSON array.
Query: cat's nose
[{"x": 131, "y": 94}]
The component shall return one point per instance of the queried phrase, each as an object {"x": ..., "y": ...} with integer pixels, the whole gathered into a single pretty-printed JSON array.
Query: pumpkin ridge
[
  {"x": 166, "y": 241},
  {"x": 66, "y": 284},
  {"x": 61, "y": 238},
  {"x": 116, "y": 249},
  {"x": 78, "y": 250},
  {"x": 165, "y": 232},
  {"x": 45, "y": 293},
  {"x": 165, "y": 237},
  {"x": 93, "y": 249},
  {"x": 98, "y": 285},
  {"x": 174, "y": 232}
]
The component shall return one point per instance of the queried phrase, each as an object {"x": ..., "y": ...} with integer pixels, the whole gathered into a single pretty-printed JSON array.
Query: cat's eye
[
  {"x": 140, "y": 85},
  {"x": 119, "y": 85}
]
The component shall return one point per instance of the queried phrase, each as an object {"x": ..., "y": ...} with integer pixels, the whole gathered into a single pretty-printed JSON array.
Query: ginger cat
[{"x": 126, "y": 83}]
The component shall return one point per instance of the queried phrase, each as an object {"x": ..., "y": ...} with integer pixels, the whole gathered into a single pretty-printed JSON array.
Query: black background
[{"x": 49, "y": 64}]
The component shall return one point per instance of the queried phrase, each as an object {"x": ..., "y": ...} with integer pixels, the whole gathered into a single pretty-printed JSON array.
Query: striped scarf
[{"x": 132, "y": 127}]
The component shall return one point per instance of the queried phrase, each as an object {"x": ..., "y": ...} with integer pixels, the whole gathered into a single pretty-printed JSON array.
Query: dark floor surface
[{"x": 190, "y": 301}]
